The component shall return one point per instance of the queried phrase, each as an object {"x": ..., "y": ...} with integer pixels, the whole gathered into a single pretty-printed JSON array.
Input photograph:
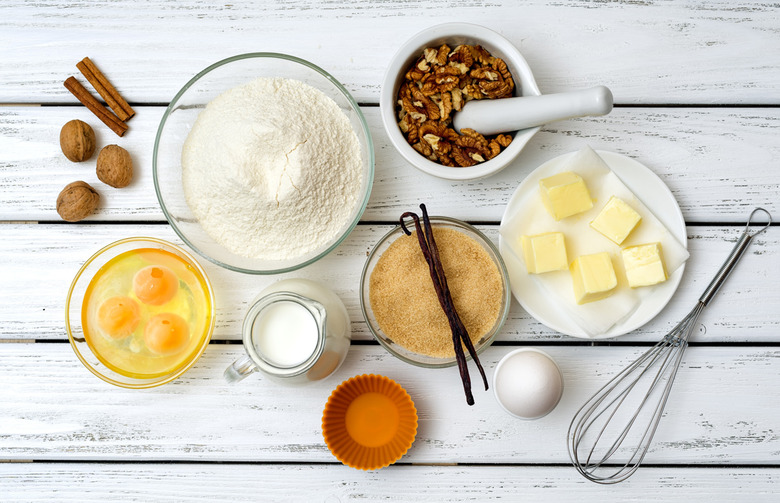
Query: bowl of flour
[{"x": 263, "y": 163}]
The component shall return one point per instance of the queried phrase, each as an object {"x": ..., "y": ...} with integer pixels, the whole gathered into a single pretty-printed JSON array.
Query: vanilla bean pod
[
  {"x": 464, "y": 334},
  {"x": 460, "y": 335},
  {"x": 460, "y": 357}
]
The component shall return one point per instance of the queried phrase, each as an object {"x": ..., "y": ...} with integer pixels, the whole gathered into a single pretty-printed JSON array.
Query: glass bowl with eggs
[
  {"x": 400, "y": 304},
  {"x": 140, "y": 312},
  {"x": 263, "y": 163}
]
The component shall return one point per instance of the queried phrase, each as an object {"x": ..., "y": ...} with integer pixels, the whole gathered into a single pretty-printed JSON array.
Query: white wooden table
[{"x": 697, "y": 90}]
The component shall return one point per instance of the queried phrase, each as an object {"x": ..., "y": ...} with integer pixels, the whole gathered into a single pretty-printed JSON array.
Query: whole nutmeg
[
  {"x": 77, "y": 140},
  {"x": 114, "y": 166},
  {"x": 77, "y": 201}
]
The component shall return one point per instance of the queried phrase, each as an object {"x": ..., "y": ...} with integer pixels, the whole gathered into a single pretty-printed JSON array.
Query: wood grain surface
[
  {"x": 96, "y": 482},
  {"x": 719, "y": 166},
  {"x": 697, "y": 90},
  {"x": 51, "y": 254},
  {"x": 677, "y": 52},
  {"x": 54, "y": 409}
]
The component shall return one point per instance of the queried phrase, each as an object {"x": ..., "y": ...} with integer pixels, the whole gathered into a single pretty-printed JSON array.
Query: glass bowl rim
[
  {"x": 445, "y": 363},
  {"x": 355, "y": 107},
  {"x": 196, "y": 356}
]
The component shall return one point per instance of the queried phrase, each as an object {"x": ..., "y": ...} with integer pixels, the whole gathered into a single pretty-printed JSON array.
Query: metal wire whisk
[{"x": 636, "y": 397}]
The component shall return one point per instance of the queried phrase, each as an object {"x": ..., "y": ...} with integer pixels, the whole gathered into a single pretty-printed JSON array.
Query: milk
[
  {"x": 285, "y": 334},
  {"x": 296, "y": 331}
]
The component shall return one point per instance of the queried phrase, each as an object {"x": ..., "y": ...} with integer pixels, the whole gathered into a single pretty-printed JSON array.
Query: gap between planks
[
  {"x": 366, "y": 223},
  {"x": 376, "y": 105},
  {"x": 701, "y": 466},
  {"x": 568, "y": 343}
]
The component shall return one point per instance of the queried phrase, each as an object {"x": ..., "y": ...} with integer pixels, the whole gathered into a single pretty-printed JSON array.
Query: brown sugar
[{"x": 404, "y": 300}]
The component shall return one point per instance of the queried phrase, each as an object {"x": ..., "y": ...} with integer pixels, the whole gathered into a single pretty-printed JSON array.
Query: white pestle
[{"x": 511, "y": 114}]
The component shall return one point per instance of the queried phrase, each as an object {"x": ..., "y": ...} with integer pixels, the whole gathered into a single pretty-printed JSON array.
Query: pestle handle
[{"x": 511, "y": 114}]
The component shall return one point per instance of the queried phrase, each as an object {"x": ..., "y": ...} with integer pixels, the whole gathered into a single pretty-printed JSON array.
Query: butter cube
[
  {"x": 544, "y": 252},
  {"x": 565, "y": 194},
  {"x": 644, "y": 265},
  {"x": 616, "y": 220},
  {"x": 593, "y": 277}
]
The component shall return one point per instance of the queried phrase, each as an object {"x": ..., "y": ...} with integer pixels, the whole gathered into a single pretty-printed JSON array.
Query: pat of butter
[
  {"x": 616, "y": 220},
  {"x": 565, "y": 194},
  {"x": 544, "y": 252},
  {"x": 593, "y": 277},
  {"x": 644, "y": 265}
]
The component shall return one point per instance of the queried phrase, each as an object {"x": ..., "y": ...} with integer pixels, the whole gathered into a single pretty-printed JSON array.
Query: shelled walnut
[{"x": 441, "y": 81}]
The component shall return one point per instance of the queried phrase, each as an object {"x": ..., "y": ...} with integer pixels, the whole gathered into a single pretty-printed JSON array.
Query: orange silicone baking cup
[{"x": 369, "y": 422}]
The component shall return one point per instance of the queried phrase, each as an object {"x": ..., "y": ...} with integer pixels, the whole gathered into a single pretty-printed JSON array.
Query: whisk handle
[{"x": 739, "y": 250}]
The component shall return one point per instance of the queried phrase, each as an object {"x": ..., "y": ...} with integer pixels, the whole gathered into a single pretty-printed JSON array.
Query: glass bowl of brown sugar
[{"x": 401, "y": 306}]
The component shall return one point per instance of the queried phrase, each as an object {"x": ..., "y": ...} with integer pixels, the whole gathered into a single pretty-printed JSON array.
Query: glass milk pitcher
[{"x": 295, "y": 331}]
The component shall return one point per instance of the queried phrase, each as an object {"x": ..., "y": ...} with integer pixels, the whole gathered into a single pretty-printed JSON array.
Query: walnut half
[{"x": 439, "y": 82}]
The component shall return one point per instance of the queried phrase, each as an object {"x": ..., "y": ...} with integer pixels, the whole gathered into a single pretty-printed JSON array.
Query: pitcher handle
[{"x": 239, "y": 369}]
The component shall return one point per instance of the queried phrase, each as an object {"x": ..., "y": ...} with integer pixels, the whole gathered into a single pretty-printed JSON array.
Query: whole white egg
[{"x": 528, "y": 383}]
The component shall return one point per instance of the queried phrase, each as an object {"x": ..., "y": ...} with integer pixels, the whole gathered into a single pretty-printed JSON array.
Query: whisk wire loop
[
  {"x": 659, "y": 364},
  {"x": 614, "y": 405}
]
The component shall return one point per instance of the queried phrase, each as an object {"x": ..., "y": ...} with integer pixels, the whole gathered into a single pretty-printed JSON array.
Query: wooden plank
[
  {"x": 40, "y": 262},
  {"x": 723, "y": 410},
  {"x": 646, "y": 52},
  {"x": 94, "y": 482},
  {"x": 718, "y": 162}
]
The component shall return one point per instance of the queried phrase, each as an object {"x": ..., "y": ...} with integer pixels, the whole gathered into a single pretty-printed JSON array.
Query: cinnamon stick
[
  {"x": 104, "y": 88},
  {"x": 108, "y": 118}
]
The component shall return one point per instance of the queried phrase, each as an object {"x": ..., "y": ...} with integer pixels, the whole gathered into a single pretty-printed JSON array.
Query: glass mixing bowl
[
  {"x": 422, "y": 360},
  {"x": 74, "y": 305},
  {"x": 177, "y": 122}
]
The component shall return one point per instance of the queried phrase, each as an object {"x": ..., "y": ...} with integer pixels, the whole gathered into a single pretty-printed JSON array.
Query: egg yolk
[
  {"x": 118, "y": 316},
  {"x": 166, "y": 333},
  {"x": 155, "y": 285}
]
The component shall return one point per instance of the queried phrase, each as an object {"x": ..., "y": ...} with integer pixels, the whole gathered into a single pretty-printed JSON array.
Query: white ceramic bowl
[{"x": 454, "y": 34}]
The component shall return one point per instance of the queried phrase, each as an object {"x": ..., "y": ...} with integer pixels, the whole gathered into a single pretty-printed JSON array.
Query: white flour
[{"x": 272, "y": 169}]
